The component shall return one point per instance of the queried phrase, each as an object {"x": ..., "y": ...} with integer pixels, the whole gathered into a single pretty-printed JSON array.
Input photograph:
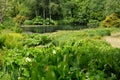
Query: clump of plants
[
  {"x": 11, "y": 40},
  {"x": 38, "y": 20},
  {"x": 36, "y": 40},
  {"x": 74, "y": 60},
  {"x": 20, "y": 19},
  {"x": 93, "y": 23},
  {"x": 111, "y": 21},
  {"x": 7, "y": 23},
  {"x": 28, "y": 22}
]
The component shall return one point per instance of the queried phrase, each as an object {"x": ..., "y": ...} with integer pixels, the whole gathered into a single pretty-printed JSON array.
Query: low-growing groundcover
[{"x": 44, "y": 58}]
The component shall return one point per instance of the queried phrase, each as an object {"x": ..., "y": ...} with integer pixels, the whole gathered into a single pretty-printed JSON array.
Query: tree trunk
[
  {"x": 50, "y": 10},
  {"x": 44, "y": 13},
  {"x": 36, "y": 13}
]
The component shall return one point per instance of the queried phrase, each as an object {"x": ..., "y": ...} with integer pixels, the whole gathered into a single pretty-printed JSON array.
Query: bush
[
  {"x": 93, "y": 24},
  {"x": 20, "y": 19},
  {"x": 28, "y": 22},
  {"x": 11, "y": 40},
  {"x": 37, "y": 40},
  {"x": 38, "y": 20},
  {"x": 52, "y": 22},
  {"x": 8, "y": 23},
  {"x": 111, "y": 21},
  {"x": 16, "y": 29}
]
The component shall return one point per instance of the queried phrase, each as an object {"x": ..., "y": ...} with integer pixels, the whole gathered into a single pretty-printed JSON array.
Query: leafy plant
[
  {"x": 38, "y": 20},
  {"x": 36, "y": 40},
  {"x": 111, "y": 21},
  {"x": 20, "y": 19},
  {"x": 28, "y": 22},
  {"x": 43, "y": 57},
  {"x": 11, "y": 40}
]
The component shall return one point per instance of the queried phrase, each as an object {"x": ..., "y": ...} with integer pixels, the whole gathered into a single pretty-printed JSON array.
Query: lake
[{"x": 50, "y": 28}]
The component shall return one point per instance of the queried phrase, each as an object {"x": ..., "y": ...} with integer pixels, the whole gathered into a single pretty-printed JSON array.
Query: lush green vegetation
[
  {"x": 76, "y": 12},
  {"x": 63, "y": 55}
]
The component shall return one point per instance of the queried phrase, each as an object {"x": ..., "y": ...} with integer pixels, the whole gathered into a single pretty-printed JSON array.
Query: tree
[
  {"x": 2, "y": 9},
  {"x": 112, "y": 6}
]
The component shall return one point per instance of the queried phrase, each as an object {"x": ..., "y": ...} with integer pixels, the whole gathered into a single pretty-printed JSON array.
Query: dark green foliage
[
  {"x": 1, "y": 41},
  {"x": 81, "y": 11}
]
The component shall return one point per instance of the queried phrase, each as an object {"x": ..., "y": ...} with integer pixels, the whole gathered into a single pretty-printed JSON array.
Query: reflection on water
[{"x": 45, "y": 29}]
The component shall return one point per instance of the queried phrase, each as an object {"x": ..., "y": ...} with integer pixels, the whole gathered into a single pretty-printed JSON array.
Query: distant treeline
[{"x": 76, "y": 11}]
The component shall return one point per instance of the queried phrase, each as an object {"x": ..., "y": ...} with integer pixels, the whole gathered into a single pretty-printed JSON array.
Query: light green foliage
[
  {"x": 28, "y": 22},
  {"x": 62, "y": 55},
  {"x": 79, "y": 56},
  {"x": 36, "y": 40},
  {"x": 81, "y": 34},
  {"x": 73, "y": 60},
  {"x": 38, "y": 20},
  {"x": 10, "y": 40}
]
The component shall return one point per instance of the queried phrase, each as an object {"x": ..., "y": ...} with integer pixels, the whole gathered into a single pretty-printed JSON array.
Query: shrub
[
  {"x": 11, "y": 40},
  {"x": 16, "y": 29},
  {"x": 111, "y": 21},
  {"x": 38, "y": 20},
  {"x": 28, "y": 22},
  {"x": 93, "y": 24},
  {"x": 45, "y": 40},
  {"x": 52, "y": 22},
  {"x": 8, "y": 23},
  {"x": 20, "y": 19},
  {"x": 47, "y": 21},
  {"x": 36, "y": 40}
]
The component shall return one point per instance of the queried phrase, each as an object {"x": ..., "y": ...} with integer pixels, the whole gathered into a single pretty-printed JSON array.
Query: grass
[{"x": 66, "y": 35}]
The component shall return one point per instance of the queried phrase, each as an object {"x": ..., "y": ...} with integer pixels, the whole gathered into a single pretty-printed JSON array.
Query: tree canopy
[{"x": 79, "y": 10}]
